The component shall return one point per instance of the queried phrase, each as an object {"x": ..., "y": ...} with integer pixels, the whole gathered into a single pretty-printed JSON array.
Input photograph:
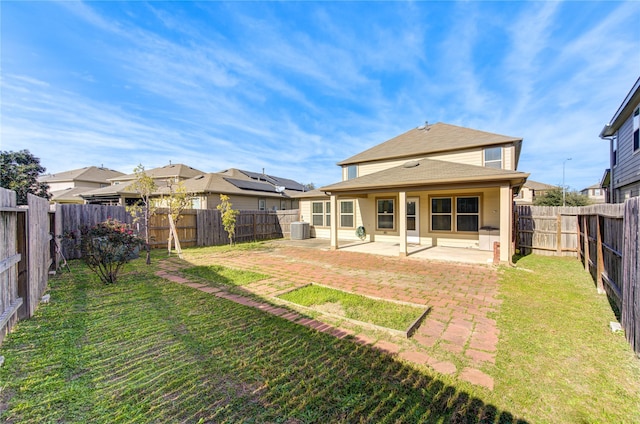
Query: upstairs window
[
  {"x": 493, "y": 157},
  {"x": 636, "y": 130},
  {"x": 352, "y": 172},
  {"x": 615, "y": 151}
]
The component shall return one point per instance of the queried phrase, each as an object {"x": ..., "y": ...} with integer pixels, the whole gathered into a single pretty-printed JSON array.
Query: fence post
[
  {"x": 599, "y": 254},
  {"x": 559, "y": 234},
  {"x": 585, "y": 228}
]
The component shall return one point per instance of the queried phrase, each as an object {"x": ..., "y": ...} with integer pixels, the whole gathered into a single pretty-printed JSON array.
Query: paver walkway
[{"x": 459, "y": 336}]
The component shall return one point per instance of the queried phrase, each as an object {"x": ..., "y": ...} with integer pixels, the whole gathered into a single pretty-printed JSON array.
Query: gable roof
[
  {"x": 436, "y": 138},
  {"x": 623, "y": 112},
  {"x": 271, "y": 179},
  {"x": 426, "y": 172},
  {"x": 534, "y": 185},
  {"x": 172, "y": 170},
  {"x": 218, "y": 183},
  {"x": 88, "y": 173},
  {"x": 69, "y": 194}
]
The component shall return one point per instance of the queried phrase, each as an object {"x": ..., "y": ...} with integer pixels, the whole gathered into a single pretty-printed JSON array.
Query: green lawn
[
  {"x": 146, "y": 351},
  {"x": 352, "y": 306},
  {"x": 218, "y": 274}
]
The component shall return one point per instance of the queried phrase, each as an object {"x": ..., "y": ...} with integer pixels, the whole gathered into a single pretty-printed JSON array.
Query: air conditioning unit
[{"x": 300, "y": 231}]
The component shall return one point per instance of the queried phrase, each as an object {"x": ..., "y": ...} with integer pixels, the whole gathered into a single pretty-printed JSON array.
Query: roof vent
[{"x": 411, "y": 164}]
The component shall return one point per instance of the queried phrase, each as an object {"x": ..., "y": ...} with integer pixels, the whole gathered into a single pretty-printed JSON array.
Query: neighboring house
[
  {"x": 438, "y": 184},
  {"x": 66, "y": 187},
  {"x": 530, "y": 190},
  {"x": 623, "y": 132},
  {"x": 246, "y": 190},
  {"x": 595, "y": 193},
  {"x": 121, "y": 192}
]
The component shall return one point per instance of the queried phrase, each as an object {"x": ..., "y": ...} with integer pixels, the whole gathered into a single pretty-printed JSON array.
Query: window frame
[
  {"x": 262, "y": 204},
  {"x": 453, "y": 214},
  {"x": 392, "y": 213},
  {"x": 500, "y": 161},
  {"x": 344, "y": 214},
  {"x": 315, "y": 214},
  {"x": 348, "y": 170}
]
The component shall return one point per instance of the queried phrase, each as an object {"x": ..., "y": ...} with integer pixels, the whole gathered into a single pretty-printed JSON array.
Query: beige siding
[
  {"x": 365, "y": 209},
  {"x": 468, "y": 157}
]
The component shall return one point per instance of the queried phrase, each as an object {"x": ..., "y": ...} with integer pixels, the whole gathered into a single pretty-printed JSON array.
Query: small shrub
[{"x": 107, "y": 246}]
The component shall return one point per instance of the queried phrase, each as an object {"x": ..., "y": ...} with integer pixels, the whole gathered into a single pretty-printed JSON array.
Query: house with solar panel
[
  {"x": 246, "y": 190},
  {"x": 435, "y": 185}
]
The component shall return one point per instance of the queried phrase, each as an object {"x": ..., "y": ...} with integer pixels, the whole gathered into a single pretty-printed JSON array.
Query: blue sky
[{"x": 294, "y": 87}]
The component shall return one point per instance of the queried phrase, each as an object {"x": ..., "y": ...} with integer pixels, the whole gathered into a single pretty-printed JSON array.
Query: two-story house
[
  {"x": 436, "y": 185},
  {"x": 67, "y": 186},
  {"x": 121, "y": 192},
  {"x": 595, "y": 193},
  {"x": 530, "y": 190},
  {"x": 622, "y": 179}
]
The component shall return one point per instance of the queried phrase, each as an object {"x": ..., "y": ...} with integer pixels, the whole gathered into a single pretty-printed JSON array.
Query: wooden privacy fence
[
  {"x": 605, "y": 238},
  {"x": 196, "y": 227},
  {"x": 25, "y": 257}
]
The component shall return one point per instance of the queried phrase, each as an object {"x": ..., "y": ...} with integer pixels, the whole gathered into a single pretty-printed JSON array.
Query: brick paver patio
[{"x": 458, "y": 337}]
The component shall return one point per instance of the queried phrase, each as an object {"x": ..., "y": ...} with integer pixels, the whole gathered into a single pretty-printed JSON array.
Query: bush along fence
[
  {"x": 196, "y": 227},
  {"x": 25, "y": 257},
  {"x": 605, "y": 238}
]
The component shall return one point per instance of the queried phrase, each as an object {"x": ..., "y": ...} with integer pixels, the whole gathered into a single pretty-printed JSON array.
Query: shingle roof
[
  {"x": 114, "y": 189},
  {"x": 69, "y": 194},
  {"x": 174, "y": 170},
  {"x": 439, "y": 137},
  {"x": 425, "y": 172},
  {"x": 88, "y": 173},
  {"x": 220, "y": 183},
  {"x": 538, "y": 186}
]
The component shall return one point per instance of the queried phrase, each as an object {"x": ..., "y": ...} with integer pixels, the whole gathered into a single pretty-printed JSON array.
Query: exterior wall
[
  {"x": 250, "y": 202},
  {"x": 365, "y": 215},
  {"x": 63, "y": 185},
  {"x": 525, "y": 196},
  {"x": 625, "y": 172},
  {"x": 468, "y": 157}
]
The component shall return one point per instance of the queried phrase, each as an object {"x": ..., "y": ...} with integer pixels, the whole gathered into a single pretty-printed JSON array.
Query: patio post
[
  {"x": 334, "y": 222},
  {"x": 402, "y": 223},
  {"x": 506, "y": 215}
]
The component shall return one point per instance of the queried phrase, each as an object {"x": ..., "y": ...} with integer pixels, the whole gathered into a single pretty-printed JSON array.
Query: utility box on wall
[
  {"x": 300, "y": 231},
  {"x": 487, "y": 235}
]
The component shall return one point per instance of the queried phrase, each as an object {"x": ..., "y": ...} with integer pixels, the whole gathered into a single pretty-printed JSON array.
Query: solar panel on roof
[{"x": 251, "y": 185}]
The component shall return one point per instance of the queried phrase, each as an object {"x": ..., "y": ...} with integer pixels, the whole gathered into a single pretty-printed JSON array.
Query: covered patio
[{"x": 414, "y": 251}]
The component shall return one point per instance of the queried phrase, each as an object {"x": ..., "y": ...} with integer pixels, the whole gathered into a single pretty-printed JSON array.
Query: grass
[
  {"x": 149, "y": 351},
  {"x": 352, "y": 306},
  {"x": 558, "y": 361},
  {"x": 223, "y": 275}
]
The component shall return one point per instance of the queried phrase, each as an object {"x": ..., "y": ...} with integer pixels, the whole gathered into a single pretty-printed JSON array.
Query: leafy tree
[
  {"x": 553, "y": 197},
  {"x": 145, "y": 186},
  {"x": 176, "y": 201},
  {"x": 19, "y": 172},
  {"x": 228, "y": 216},
  {"x": 309, "y": 186}
]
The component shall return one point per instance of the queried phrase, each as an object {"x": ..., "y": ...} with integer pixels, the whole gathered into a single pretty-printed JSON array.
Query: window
[
  {"x": 615, "y": 151},
  {"x": 493, "y": 157},
  {"x": 262, "y": 204},
  {"x": 386, "y": 216},
  {"x": 321, "y": 214},
  {"x": 283, "y": 204},
  {"x": 441, "y": 214},
  {"x": 317, "y": 214},
  {"x": 636, "y": 130},
  {"x": 346, "y": 214},
  {"x": 467, "y": 214},
  {"x": 195, "y": 203},
  {"x": 327, "y": 214},
  {"x": 352, "y": 172}
]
